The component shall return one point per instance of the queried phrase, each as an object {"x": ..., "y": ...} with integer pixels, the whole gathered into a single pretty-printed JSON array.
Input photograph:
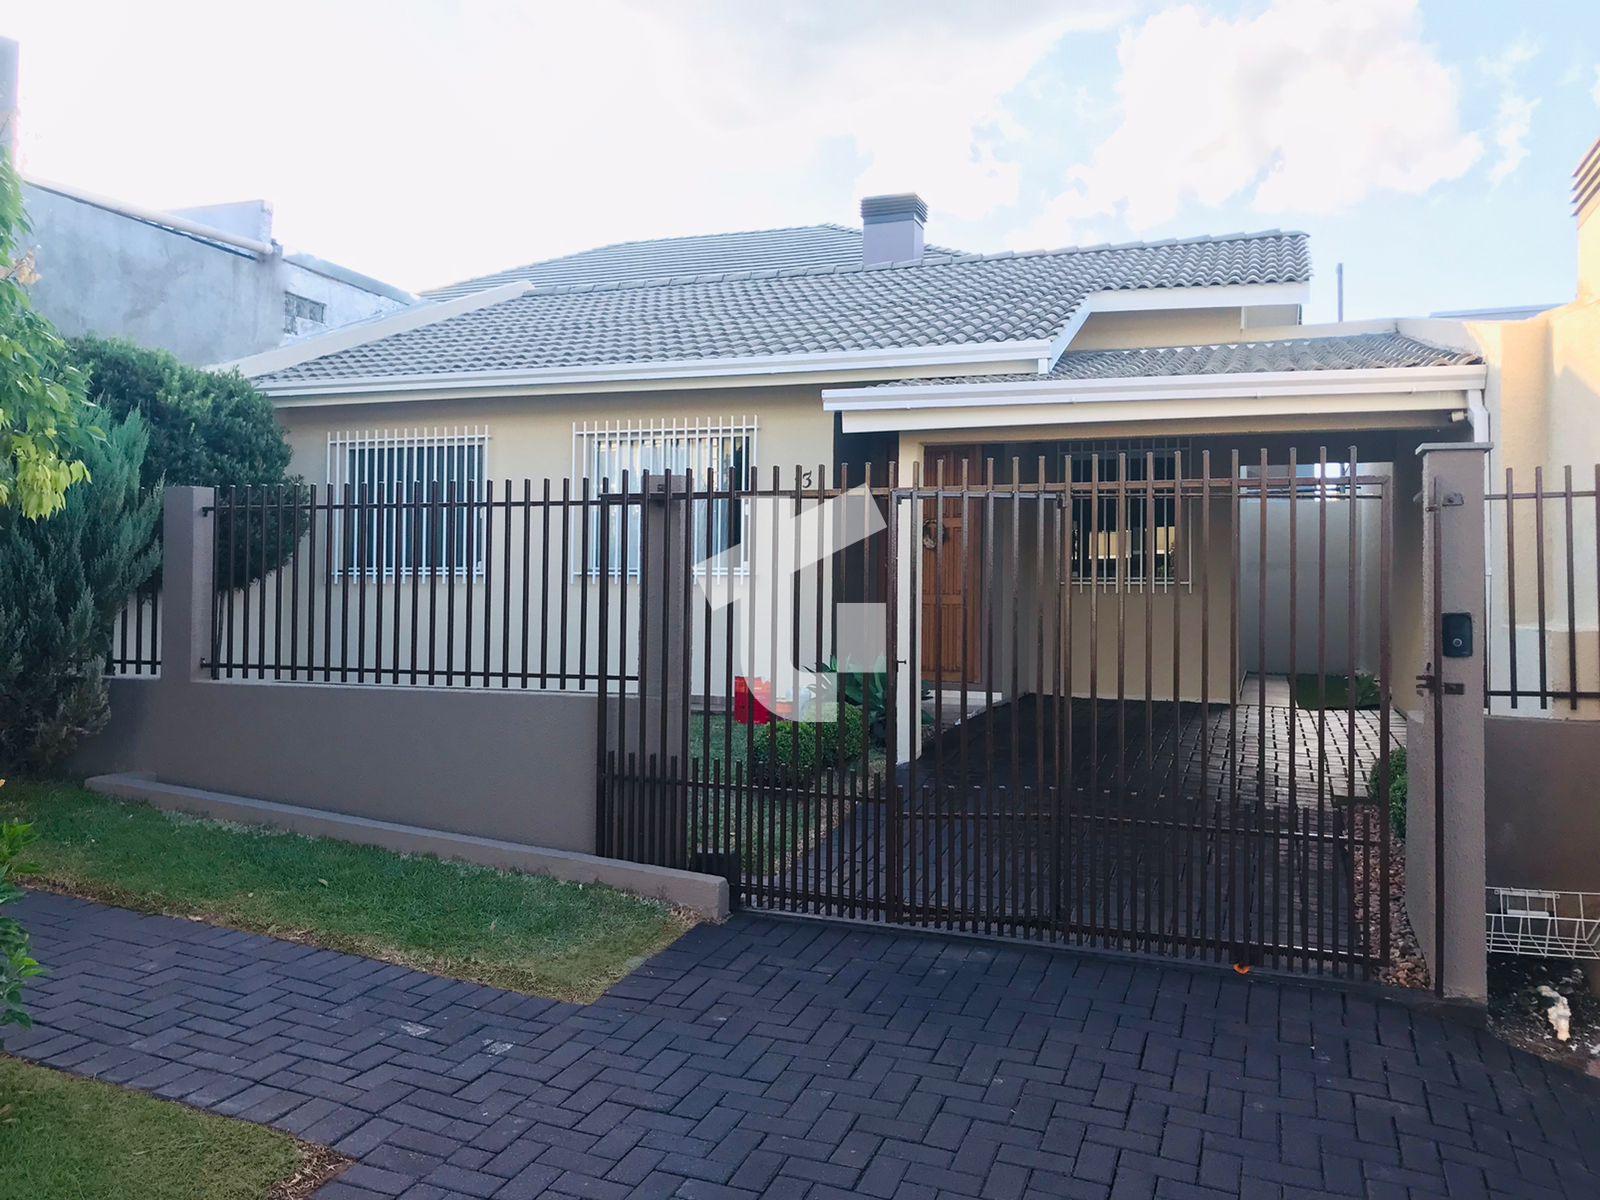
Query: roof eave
[
  {"x": 1242, "y": 384},
  {"x": 763, "y": 369}
]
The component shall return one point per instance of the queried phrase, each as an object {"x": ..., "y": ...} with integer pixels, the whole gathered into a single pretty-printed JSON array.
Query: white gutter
[
  {"x": 1236, "y": 385},
  {"x": 152, "y": 216},
  {"x": 466, "y": 383}
]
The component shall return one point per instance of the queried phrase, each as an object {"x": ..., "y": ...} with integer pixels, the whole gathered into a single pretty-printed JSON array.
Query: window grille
[
  {"x": 301, "y": 313},
  {"x": 717, "y": 450},
  {"x": 1132, "y": 538},
  {"x": 408, "y": 501}
]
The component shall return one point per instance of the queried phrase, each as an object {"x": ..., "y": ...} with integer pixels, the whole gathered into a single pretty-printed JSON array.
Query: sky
[{"x": 1427, "y": 145}]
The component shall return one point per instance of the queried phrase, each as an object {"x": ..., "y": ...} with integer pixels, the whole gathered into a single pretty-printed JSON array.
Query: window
[
  {"x": 1123, "y": 532},
  {"x": 716, "y": 450},
  {"x": 303, "y": 315},
  {"x": 410, "y": 501}
]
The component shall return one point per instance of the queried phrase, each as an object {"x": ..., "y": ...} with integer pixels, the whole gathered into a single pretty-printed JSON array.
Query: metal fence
[
  {"x": 136, "y": 635},
  {"x": 1544, "y": 600}
]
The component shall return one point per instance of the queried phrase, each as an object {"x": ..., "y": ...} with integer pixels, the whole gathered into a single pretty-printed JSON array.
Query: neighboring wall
[{"x": 106, "y": 273}]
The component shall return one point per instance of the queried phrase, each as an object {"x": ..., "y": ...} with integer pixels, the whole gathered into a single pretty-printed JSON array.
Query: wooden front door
[{"x": 949, "y": 575}]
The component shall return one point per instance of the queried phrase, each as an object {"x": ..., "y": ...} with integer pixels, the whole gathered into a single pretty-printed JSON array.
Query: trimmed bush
[
  {"x": 16, "y": 965},
  {"x": 1399, "y": 788},
  {"x": 206, "y": 429},
  {"x": 791, "y": 753}
]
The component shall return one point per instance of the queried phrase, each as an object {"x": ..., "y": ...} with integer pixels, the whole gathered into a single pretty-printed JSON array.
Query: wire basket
[{"x": 1543, "y": 924}]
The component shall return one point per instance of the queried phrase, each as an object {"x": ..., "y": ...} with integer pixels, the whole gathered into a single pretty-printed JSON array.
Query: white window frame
[
  {"x": 602, "y": 450},
  {"x": 455, "y": 458}
]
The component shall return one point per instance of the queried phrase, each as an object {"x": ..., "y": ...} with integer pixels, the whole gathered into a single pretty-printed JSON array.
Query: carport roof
[{"x": 1346, "y": 352}]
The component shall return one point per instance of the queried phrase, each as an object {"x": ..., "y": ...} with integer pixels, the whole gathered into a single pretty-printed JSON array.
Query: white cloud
[
  {"x": 1305, "y": 106},
  {"x": 1596, "y": 92},
  {"x": 1512, "y": 122},
  {"x": 1513, "y": 119}
]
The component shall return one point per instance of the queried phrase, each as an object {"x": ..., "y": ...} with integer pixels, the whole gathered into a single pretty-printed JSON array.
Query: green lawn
[
  {"x": 1308, "y": 695},
  {"x": 521, "y": 932},
  {"x": 78, "y": 1139}
]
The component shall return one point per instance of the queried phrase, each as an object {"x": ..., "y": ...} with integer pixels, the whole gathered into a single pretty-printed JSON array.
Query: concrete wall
[
  {"x": 1541, "y": 807},
  {"x": 106, "y": 273}
]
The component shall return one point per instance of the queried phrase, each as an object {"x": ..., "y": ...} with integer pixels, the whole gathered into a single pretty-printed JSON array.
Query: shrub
[
  {"x": 1399, "y": 788},
  {"x": 206, "y": 429},
  {"x": 15, "y": 963},
  {"x": 791, "y": 753},
  {"x": 63, "y": 580}
]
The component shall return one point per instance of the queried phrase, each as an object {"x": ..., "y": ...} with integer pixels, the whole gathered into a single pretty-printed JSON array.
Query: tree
[
  {"x": 63, "y": 580},
  {"x": 207, "y": 428},
  {"x": 44, "y": 422}
]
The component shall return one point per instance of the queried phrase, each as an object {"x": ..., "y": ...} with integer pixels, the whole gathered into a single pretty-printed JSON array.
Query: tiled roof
[
  {"x": 1347, "y": 352},
  {"x": 941, "y": 300},
  {"x": 759, "y": 250}
]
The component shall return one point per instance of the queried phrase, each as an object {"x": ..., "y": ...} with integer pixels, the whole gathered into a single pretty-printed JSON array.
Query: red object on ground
[{"x": 751, "y": 701}]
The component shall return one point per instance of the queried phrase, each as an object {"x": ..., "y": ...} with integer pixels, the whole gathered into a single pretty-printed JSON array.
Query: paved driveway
[{"x": 791, "y": 1060}]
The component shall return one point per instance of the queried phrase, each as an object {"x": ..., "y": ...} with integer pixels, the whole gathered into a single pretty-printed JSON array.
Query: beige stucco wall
[{"x": 1542, "y": 398}]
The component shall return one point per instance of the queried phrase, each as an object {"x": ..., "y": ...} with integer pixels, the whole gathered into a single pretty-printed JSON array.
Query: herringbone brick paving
[{"x": 787, "y": 1059}]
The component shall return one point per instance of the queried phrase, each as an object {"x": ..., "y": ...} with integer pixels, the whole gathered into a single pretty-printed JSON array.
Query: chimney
[
  {"x": 10, "y": 105},
  {"x": 891, "y": 228},
  {"x": 1586, "y": 204}
]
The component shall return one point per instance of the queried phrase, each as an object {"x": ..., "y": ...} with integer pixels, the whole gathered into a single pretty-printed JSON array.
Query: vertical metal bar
[
  {"x": 1294, "y": 713},
  {"x": 311, "y": 582},
  {"x": 1011, "y": 828},
  {"x": 645, "y": 580},
  {"x": 527, "y": 571},
  {"x": 277, "y": 585},
  {"x": 1321, "y": 828},
  {"x": 1099, "y": 896},
  {"x": 686, "y": 666},
  {"x": 990, "y": 816},
  {"x": 294, "y": 581},
  {"x": 397, "y": 554},
  {"x": 583, "y": 586},
  {"x": 505, "y": 588},
  {"x": 1069, "y": 780},
  {"x": 937, "y": 582},
  {"x": 566, "y": 583},
  {"x": 1572, "y": 595},
  {"x": 376, "y": 550},
  {"x": 963, "y": 861},
  {"x": 451, "y": 546},
  {"x": 362, "y": 545},
  {"x": 327, "y": 586},
  {"x": 1538, "y": 559},
  {"x": 891, "y": 809},
  {"x": 1511, "y": 572},
  {"x": 1182, "y": 872},
  {"x": 1235, "y": 840},
  {"x": 349, "y": 560},
  {"x": 1262, "y": 729},
  {"x": 1210, "y": 810},
  {"x": 434, "y": 561},
  {"x": 1352, "y": 629},
  {"x": 1033, "y": 852},
  {"x": 233, "y": 546},
  {"x": 1385, "y": 683},
  {"x": 624, "y": 498},
  {"x": 1117, "y": 826},
  {"x": 417, "y": 503},
  {"x": 1148, "y": 829},
  {"x": 469, "y": 530},
  {"x": 544, "y": 581}
]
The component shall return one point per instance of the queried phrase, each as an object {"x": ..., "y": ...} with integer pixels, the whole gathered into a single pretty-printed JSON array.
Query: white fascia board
[
  {"x": 685, "y": 372},
  {"x": 1264, "y": 384},
  {"x": 1234, "y": 295},
  {"x": 1227, "y": 295},
  {"x": 359, "y": 333}
]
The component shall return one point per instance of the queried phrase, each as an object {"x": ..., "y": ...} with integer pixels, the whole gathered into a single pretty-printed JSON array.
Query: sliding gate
[{"x": 1126, "y": 700}]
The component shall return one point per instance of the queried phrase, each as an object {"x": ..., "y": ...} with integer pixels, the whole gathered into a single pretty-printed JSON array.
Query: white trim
[
  {"x": 690, "y": 370},
  {"x": 1227, "y": 295},
  {"x": 1235, "y": 385},
  {"x": 346, "y": 337}
]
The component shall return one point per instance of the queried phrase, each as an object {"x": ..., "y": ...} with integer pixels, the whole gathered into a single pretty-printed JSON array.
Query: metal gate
[{"x": 1073, "y": 734}]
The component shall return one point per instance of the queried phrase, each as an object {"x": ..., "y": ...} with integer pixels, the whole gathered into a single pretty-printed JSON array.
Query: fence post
[
  {"x": 661, "y": 573},
  {"x": 186, "y": 587},
  {"x": 1445, "y": 811}
]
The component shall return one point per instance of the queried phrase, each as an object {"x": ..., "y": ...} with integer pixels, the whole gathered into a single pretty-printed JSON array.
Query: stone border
[{"x": 706, "y": 896}]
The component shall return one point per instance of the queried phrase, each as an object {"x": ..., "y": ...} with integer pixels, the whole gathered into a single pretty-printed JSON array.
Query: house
[
  {"x": 207, "y": 283},
  {"x": 824, "y": 348}
]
